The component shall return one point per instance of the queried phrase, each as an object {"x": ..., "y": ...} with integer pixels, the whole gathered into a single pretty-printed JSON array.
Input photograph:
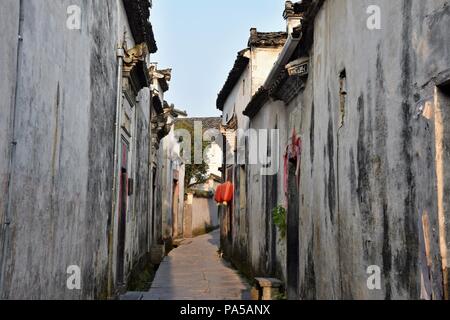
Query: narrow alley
[
  {"x": 196, "y": 271},
  {"x": 225, "y": 150}
]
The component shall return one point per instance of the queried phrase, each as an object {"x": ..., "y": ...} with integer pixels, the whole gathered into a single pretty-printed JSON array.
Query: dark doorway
[
  {"x": 442, "y": 136},
  {"x": 293, "y": 261},
  {"x": 175, "y": 203},
  {"x": 230, "y": 207},
  {"x": 154, "y": 233},
  {"x": 271, "y": 240},
  {"x": 271, "y": 198},
  {"x": 122, "y": 220}
]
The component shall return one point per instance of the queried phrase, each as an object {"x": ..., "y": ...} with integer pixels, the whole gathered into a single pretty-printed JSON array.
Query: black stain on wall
[
  {"x": 364, "y": 164},
  {"x": 381, "y": 169},
  {"x": 352, "y": 176},
  {"x": 311, "y": 137},
  {"x": 364, "y": 167},
  {"x": 331, "y": 173},
  {"x": 308, "y": 290},
  {"x": 406, "y": 262},
  {"x": 103, "y": 75},
  {"x": 387, "y": 255}
]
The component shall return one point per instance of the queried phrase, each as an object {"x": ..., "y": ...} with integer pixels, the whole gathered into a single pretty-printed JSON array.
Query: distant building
[
  {"x": 250, "y": 70},
  {"x": 169, "y": 185},
  {"x": 208, "y": 129},
  {"x": 200, "y": 210}
]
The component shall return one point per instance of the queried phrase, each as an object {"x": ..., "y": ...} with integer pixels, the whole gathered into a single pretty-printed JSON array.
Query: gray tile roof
[{"x": 207, "y": 122}]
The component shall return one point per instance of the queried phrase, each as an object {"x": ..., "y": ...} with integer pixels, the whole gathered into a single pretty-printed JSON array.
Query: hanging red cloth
[{"x": 293, "y": 153}]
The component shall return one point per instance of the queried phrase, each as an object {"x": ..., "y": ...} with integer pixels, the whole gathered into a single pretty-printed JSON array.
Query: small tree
[{"x": 194, "y": 173}]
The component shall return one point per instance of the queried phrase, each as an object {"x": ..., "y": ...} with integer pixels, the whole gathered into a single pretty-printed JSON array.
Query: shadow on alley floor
[{"x": 195, "y": 271}]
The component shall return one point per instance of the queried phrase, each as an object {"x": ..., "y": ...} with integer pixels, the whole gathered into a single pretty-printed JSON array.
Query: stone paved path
[{"x": 194, "y": 271}]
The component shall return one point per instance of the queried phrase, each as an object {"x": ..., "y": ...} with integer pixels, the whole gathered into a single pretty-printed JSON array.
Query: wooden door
[
  {"x": 175, "y": 204},
  {"x": 122, "y": 219},
  {"x": 293, "y": 260}
]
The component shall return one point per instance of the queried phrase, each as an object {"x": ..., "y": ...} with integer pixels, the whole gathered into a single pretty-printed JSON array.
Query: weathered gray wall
[
  {"x": 256, "y": 246},
  {"x": 165, "y": 188},
  {"x": 204, "y": 215},
  {"x": 9, "y": 29},
  {"x": 63, "y": 163},
  {"x": 266, "y": 248},
  {"x": 366, "y": 185},
  {"x": 169, "y": 162},
  {"x": 139, "y": 223},
  {"x": 181, "y": 201}
]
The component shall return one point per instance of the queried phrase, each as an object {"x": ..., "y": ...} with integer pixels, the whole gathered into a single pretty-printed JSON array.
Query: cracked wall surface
[
  {"x": 368, "y": 171},
  {"x": 60, "y": 194},
  {"x": 366, "y": 186}
]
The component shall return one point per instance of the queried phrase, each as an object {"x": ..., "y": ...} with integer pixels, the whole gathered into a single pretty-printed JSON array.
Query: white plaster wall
[
  {"x": 238, "y": 99},
  {"x": 251, "y": 218},
  {"x": 214, "y": 157},
  {"x": 170, "y": 160},
  {"x": 59, "y": 209},
  {"x": 273, "y": 115},
  {"x": 9, "y": 24},
  {"x": 365, "y": 186},
  {"x": 63, "y": 167},
  {"x": 204, "y": 214},
  {"x": 262, "y": 62}
]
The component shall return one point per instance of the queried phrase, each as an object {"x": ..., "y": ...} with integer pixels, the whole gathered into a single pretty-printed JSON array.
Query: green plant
[
  {"x": 195, "y": 174},
  {"x": 279, "y": 218},
  {"x": 202, "y": 193},
  {"x": 281, "y": 296}
]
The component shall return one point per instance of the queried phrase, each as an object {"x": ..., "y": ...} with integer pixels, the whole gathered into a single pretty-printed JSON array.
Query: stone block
[
  {"x": 268, "y": 288},
  {"x": 157, "y": 253}
]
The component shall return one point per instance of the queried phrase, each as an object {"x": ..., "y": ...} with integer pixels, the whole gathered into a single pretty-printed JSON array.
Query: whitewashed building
[{"x": 248, "y": 74}]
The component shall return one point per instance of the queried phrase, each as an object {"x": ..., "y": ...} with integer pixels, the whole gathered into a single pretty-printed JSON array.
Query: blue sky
[{"x": 200, "y": 39}]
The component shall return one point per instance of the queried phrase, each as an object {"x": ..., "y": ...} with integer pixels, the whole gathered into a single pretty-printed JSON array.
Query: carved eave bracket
[
  {"x": 135, "y": 68},
  {"x": 231, "y": 125},
  {"x": 277, "y": 84},
  {"x": 291, "y": 89},
  {"x": 163, "y": 76},
  {"x": 157, "y": 105},
  {"x": 298, "y": 67},
  {"x": 289, "y": 10},
  {"x": 297, "y": 9},
  {"x": 133, "y": 56},
  {"x": 291, "y": 81},
  {"x": 161, "y": 127}
]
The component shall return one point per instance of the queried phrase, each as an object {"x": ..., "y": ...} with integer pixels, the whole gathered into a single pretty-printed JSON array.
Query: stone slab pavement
[{"x": 195, "y": 271}]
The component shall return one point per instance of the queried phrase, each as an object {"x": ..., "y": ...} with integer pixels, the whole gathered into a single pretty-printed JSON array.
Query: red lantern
[
  {"x": 228, "y": 192},
  {"x": 218, "y": 197},
  {"x": 224, "y": 193}
]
